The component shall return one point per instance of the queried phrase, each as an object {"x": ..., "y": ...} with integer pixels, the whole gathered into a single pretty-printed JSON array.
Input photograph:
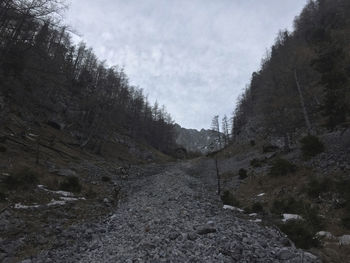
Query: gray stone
[
  {"x": 285, "y": 254},
  {"x": 192, "y": 236},
  {"x": 205, "y": 230},
  {"x": 174, "y": 235}
]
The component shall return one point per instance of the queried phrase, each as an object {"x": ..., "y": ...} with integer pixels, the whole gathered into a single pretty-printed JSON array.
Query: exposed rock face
[{"x": 196, "y": 141}]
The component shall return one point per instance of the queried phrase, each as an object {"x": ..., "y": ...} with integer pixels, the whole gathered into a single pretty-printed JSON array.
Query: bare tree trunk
[
  {"x": 217, "y": 174},
  {"x": 302, "y": 102},
  {"x": 286, "y": 143}
]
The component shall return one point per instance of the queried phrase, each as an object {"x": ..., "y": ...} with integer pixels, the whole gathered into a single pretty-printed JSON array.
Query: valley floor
[{"x": 173, "y": 214}]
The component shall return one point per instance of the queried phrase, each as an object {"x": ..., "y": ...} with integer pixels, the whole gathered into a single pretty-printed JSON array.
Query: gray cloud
[{"x": 194, "y": 56}]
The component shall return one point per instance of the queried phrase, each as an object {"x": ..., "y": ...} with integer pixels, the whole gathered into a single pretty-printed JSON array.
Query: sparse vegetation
[
  {"x": 270, "y": 148},
  {"x": 242, "y": 173},
  {"x": 287, "y": 205},
  {"x": 346, "y": 222},
  {"x": 256, "y": 163},
  {"x": 300, "y": 233},
  {"x": 71, "y": 184},
  {"x": 316, "y": 187},
  {"x": 257, "y": 207},
  {"x": 228, "y": 199},
  {"x": 23, "y": 179},
  {"x": 281, "y": 167},
  {"x": 106, "y": 179},
  {"x": 2, "y": 197},
  {"x": 2, "y": 149},
  {"x": 311, "y": 146}
]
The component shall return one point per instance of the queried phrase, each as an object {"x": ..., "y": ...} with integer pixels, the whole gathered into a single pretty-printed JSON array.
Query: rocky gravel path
[{"x": 173, "y": 216}]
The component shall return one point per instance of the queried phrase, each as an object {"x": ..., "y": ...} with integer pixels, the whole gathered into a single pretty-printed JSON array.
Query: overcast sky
[{"x": 194, "y": 56}]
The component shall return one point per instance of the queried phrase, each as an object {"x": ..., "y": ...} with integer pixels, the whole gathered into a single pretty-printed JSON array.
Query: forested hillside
[
  {"x": 44, "y": 77},
  {"x": 303, "y": 83}
]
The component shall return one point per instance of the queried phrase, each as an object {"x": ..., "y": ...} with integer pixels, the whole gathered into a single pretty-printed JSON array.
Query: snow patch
[
  {"x": 262, "y": 194},
  {"x": 56, "y": 202},
  {"x": 325, "y": 234},
  {"x": 344, "y": 240},
  {"x": 20, "y": 206},
  {"x": 63, "y": 193},
  {"x": 233, "y": 208},
  {"x": 253, "y": 214},
  {"x": 287, "y": 217}
]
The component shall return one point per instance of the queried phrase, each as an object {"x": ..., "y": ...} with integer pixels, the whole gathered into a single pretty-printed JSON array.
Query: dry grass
[{"x": 294, "y": 185}]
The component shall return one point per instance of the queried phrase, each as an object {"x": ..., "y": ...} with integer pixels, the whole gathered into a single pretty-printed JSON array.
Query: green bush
[
  {"x": 257, "y": 208},
  {"x": 288, "y": 205},
  {"x": 24, "y": 179},
  {"x": 71, "y": 184},
  {"x": 2, "y": 197},
  {"x": 292, "y": 206},
  {"x": 300, "y": 233},
  {"x": 346, "y": 222},
  {"x": 315, "y": 186},
  {"x": 106, "y": 179},
  {"x": 228, "y": 199},
  {"x": 281, "y": 167},
  {"x": 311, "y": 146},
  {"x": 242, "y": 173},
  {"x": 257, "y": 163}
]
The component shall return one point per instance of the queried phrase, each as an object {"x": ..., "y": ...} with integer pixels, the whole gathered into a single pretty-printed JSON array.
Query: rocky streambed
[{"x": 172, "y": 215}]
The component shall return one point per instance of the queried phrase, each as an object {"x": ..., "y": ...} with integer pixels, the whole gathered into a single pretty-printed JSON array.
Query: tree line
[
  {"x": 45, "y": 75},
  {"x": 304, "y": 79}
]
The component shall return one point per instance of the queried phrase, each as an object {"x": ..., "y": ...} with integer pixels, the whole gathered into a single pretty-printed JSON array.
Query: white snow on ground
[
  {"x": 20, "y": 206},
  {"x": 262, "y": 194},
  {"x": 258, "y": 220},
  {"x": 287, "y": 217},
  {"x": 56, "y": 202},
  {"x": 66, "y": 197},
  {"x": 233, "y": 208},
  {"x": 64, "y": 193},
  {"x": 253, "y": 214},
  {"x": 325, "y": 234},
  {"x": 344, "y": 240}
]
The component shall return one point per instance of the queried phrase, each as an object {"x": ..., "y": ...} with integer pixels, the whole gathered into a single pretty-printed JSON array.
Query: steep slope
[{"x": 303, "y": 83}]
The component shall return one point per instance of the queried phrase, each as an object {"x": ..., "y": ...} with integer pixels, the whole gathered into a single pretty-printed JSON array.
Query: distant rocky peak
[{"x": 193, "y": 140}]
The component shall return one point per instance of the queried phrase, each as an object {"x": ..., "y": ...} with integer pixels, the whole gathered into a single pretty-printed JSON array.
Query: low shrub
[
  {"x": 270, "y": 148},
  {"x": 281, "y": 167},
  {"x": 71, "y": 184},
  {"x": 106, "y": 179},
  {"x": 2, "y": 197},
  {"x": 23, "y": 179},
  {"x": 300, "y": 233},
  {"x": 2, "y": 149},
  {"x": 91, "y": 194},
  {"x": 292, "y": 206},
  {"x": 228, "y": 199},
  {"x": 252, "y": 142},
  {"x": 287, "y": 205},
  {"x": 257, "y": 208},
  {"x": 316, "y": 187},
  {"x": 311, "y": 146},
  {"x": 257, "y": 163},
  {"x": 242, "y": 173},
  {"x": 346, "y": 222}
]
